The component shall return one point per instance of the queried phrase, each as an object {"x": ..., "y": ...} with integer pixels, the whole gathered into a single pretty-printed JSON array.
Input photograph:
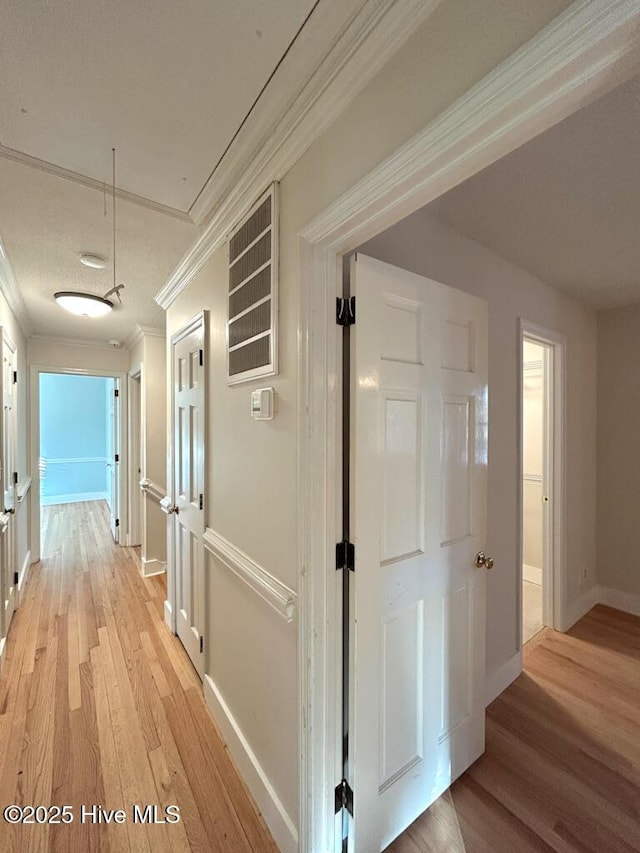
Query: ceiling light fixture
[
  {"x": 90, "y": 304},
  {"x": 95, "y": 262}
]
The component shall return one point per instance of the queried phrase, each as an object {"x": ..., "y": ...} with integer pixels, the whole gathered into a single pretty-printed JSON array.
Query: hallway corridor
[{"x": 99, "y": 705}]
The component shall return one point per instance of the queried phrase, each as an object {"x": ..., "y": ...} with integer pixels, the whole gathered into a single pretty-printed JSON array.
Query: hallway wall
[
  {"x": 11, "y": 327},
  {"x": 148, "y": 356},
  {"x": 251, "y": 488},
  {"x": 619, "y": 456}
]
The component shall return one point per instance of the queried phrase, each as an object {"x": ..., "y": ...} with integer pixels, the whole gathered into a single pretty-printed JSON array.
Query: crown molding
[
  {"x": 141, "y": 332},
  {"x": 11, "y": 292},
  {"x": 91, "y": 183},
  {"x": 286, "y": 121},
  {"x": 73, "y": 342},
  {"x": 587, "y": 50}
]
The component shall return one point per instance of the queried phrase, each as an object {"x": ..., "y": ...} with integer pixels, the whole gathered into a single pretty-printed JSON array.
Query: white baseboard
[
  {"x": 502, "y": 677},
  {"x": 280, "y": 824},
  {"x": 532, "y": 574},
  {"x": 578, "y": 608},
  {"x": 3, "y": 651},
  {"x": 626, "y": 601},
  {"x": 73, "y": 498},
  {"x": 168, "y": 616},
  {"x": 152, "y": 567}
]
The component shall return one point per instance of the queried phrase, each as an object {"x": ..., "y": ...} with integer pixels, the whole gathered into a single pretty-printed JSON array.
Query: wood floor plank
[
  {"x": 89, "y": 668},
  {"x": 561, "y": 770}
]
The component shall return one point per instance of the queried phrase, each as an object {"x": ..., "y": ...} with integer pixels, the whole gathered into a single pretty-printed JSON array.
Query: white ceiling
[
  {"x": 565, "y": 206},
  {"x": 45, "y": 222},
  {"x": 166, "y": 83}
]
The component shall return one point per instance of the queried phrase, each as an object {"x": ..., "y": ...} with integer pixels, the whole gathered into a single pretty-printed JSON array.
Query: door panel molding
[{"x": 200, "y": 322}]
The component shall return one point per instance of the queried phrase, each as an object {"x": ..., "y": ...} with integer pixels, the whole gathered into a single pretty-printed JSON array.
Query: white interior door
[
  {"x": 114, "y": 455},
  {"x": 418, "y": 503},
  {"x": 188, "y": 445},
  {"x": 9, "y": 469}
]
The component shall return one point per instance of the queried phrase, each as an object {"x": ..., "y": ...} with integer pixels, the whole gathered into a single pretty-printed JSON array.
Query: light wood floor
[
  {"x": 99, "y": 704},
  {"x": 561, "y": 770}
]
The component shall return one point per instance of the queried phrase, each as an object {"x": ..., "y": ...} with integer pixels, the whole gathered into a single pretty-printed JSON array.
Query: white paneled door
[
  {"x": 188, "y": 444},
  {"x": 9, "y": 485},
  {"x": 418, "y": 521}
]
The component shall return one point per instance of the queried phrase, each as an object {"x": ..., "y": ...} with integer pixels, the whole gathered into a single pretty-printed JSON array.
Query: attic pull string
[{"x": 116, "y": 287}]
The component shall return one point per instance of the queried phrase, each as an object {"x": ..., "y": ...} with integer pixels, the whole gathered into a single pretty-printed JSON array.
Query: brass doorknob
[{"x": 483, "y": 561}]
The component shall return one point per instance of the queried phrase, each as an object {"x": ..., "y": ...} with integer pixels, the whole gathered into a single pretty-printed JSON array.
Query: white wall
[
  {"x": 426, "y": 246},
  {"x": 619, "y": 455},
  {"x": 251, "y": 486},
  {"x": 14, "y": 333},
  {"x": 149, "y": 356}
]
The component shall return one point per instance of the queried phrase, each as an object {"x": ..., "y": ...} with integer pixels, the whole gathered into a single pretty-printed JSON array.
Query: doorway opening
[
  {"x": 541, "y": 461},
  {"x": 78, "y": 448}
]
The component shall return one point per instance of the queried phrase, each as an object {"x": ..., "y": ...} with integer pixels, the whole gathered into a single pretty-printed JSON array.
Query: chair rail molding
[
  {"x": 23, "y": 488},
  {"x": 276, "y": 594},
  {"x": 286, "y": 121},
  {"x": 158, "y": 493}
]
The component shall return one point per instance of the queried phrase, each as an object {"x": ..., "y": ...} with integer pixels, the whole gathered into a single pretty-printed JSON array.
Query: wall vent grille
[{"x": 253, "y": 287}]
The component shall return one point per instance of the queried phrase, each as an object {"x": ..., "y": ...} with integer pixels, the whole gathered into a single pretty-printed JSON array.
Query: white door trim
[
  {"x": 554, "y": 586},
  {"x": 34, "y": 445},
  {"x": 584, "y": 52},
  {"x": 135, "y": 421},
  {"x": 200, "y": 320}
]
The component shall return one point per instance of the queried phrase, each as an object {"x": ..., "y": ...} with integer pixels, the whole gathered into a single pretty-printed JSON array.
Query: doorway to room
[
  {"x": 541, "y": 451},
  {"x": 77, "y": 446}
]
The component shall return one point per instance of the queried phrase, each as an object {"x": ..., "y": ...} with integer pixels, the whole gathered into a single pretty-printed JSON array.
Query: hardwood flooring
[
  {"x": 99, "y": 704},
  {"x": 561, "y": 771}
]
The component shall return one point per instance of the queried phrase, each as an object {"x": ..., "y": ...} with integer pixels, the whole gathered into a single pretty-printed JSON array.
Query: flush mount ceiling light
[
  {"x": 90, "y": 304},
  {"x": 95, "y": 262}
]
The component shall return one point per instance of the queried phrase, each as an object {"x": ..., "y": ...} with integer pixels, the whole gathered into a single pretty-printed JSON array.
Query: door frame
[
  {"x": 515, "y": 102},
  {"x": 34, "y": 446},
  {"x": 201, "y": 319},
  {"x": 554, "y": 557},
  {"x": 6, "y": 338},
  {"x": 135, "y": 432}
]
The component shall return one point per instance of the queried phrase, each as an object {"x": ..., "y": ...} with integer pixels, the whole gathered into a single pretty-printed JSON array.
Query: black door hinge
[
  {"x": 201, "y": 644},
  {"x": 15, "y": 478},
  {"x": 117, "y": 522},
  {"x": 346, "y": 311},
  {"x": 116, "y": 392},
  {"x": 345, "y": 555},
  {"x": 117, "y": 457},
  {"x": 15, "y": 579},
  {"x": 344, "y": 797},
  {"x": 201, "y": 502},
  {"x": 201, "y": 357},
  {"x": 15, "y": 376}
]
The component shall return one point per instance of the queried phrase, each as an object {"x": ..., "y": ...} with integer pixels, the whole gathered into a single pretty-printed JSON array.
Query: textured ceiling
[
  {"x": 166, "y": 83},
  {"x": 565, "y": 206},
  {"x": 45, "y": 222}
]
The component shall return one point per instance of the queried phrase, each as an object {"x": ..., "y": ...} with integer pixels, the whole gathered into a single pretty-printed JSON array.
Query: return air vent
[{"x": 252, "y": 346}]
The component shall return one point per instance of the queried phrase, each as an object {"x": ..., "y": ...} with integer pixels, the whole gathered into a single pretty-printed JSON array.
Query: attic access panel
[{"x": 252, "y": 345}]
